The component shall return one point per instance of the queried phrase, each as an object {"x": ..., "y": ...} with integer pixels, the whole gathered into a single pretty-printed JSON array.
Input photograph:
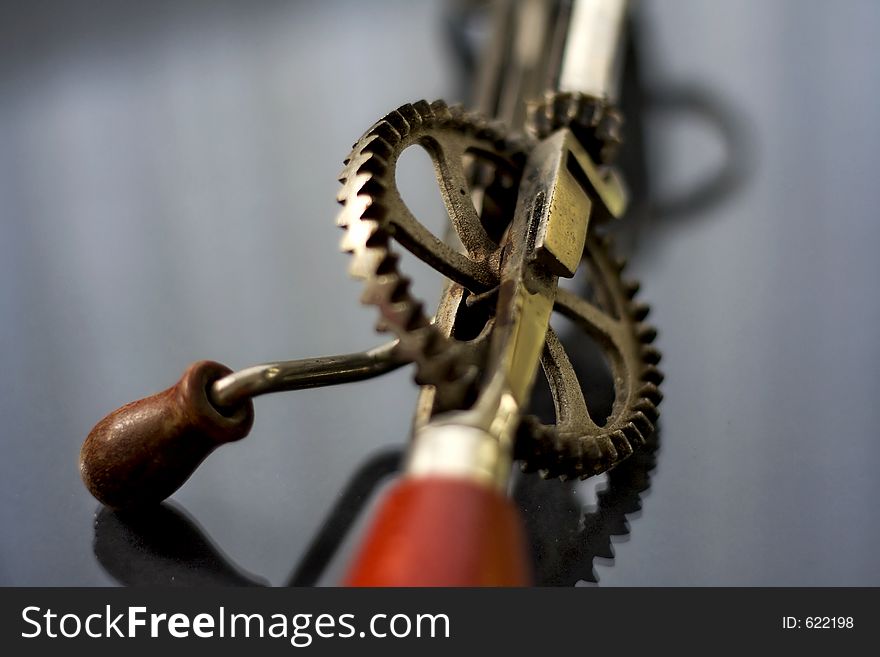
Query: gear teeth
[
  {"x": 631, "y": 288},
  {"x": 404, "y": 314},
  {"x": 648, "y": 409},
  {"x": 386, "y": 131},
  {"x": 376, "y": 165},
  {"x": 413, "y": 314},
  {"x": 643, "y": 427},
  {"x": 424, "y": 111},
  {"x": 609, "y": 452},
  {"x": 651, "y": 355},
  {"x": 359, "y": 233},
  {"x": 363, "y": 185},
  {"x": 646, "y": 333},
  {"x": 388, "y": 265},
  {"x": 379, "y": 145},
  {"x": 604, "y": 550},
  {"x": 640, "y": 311},
  {"x": 593, "y": 450},
  {"x": 394, "y": 317},
  {"x": 397, "y": 120},
  {"x": 434, "y": 345},
  {"x": 651, "y": 392},
  {"x": 363, "y": 264},
  {"x": 592, "y": 119},
  {"x": 622, "y": 444},
  {"x": 652, "y": 374},
  {"x": 385, "y": 289},
  {"x": 585, "y": 114},
  {"x": 441, "y": 111}
]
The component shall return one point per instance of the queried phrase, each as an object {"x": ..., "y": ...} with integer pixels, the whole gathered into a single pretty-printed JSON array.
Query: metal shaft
[
  {"x": 549, "y": 45},
  {"x": 591, "y": 60},
  {"x": 306, "y": 373}
]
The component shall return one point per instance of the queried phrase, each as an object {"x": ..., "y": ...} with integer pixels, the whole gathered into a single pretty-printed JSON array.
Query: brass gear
[{"x": 374, "y": 214}]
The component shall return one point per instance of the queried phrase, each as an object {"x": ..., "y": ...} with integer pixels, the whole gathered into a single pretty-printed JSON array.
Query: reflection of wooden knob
[{"x": 143, "y": 452}]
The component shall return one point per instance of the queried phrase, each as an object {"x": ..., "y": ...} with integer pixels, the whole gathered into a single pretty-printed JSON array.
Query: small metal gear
[
  {"x": 374, "y": 215},
  {"x": 593, "y": 120}
]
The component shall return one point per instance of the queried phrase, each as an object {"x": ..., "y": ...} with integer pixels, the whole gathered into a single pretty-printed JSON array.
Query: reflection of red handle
[{"x": 437, "y": 531}]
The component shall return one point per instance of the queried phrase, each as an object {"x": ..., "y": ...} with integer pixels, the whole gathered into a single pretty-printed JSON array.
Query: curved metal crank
[
  {"x": 142, "y": 452},
  {"x": 238, "y": 387}
]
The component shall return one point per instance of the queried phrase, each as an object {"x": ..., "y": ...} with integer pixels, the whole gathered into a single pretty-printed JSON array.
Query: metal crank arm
[{"x": 144, "y": 451}]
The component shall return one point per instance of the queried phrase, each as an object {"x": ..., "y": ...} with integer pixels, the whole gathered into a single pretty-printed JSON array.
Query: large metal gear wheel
[
  {"x": 579, "y": 445},
  {"x": 374, "y": 215}
]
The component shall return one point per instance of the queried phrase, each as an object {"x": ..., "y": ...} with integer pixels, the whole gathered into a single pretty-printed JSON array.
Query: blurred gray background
[{"x": 167, "y": 184}]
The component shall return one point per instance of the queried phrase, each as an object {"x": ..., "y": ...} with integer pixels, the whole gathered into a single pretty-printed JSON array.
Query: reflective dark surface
[{"x": 167, "y": 184}]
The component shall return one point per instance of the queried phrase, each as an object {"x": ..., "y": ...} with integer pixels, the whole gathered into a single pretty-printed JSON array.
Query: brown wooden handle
[
  {"x": 437, "y": 531},
  {"x": 143, "y": 452}
]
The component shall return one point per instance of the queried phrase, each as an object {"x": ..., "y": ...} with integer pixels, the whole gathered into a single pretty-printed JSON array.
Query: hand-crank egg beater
[{"x": 529, "y": 184}]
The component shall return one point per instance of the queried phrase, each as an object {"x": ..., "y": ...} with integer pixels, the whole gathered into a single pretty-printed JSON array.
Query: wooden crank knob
[{"x": 144, "y": 451}]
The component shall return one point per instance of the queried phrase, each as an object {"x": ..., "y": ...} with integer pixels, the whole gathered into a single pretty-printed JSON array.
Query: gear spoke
[
  {"x": 590, "y": 318},
  {"x": 572, "y": 413},
  {"x": 611, "y": 336},
  {"x": 454, "y": 189},
  {"x": 427, "y": 247}
]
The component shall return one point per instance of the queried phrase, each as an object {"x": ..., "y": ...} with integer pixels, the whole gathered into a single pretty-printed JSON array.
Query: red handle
[{"x": 443, "y": 532}]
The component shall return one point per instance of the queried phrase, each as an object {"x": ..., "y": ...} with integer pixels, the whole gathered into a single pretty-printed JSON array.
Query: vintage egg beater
[{"x": 527, "y": 204}]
